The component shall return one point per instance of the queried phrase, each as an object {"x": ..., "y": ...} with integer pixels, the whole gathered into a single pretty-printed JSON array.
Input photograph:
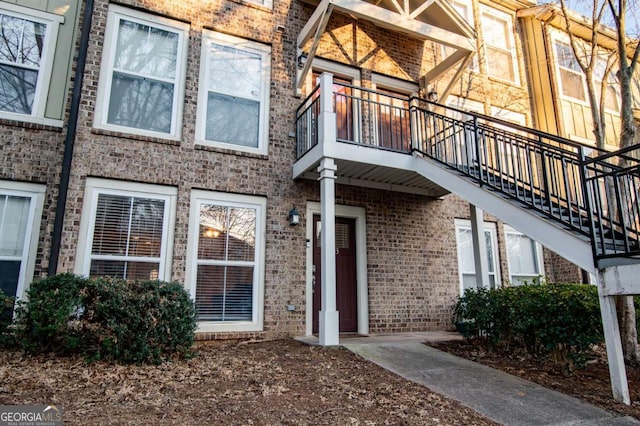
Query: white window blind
[
  {"x": 466, "y": 257},
  {"x": 127, "y": 237},
  {"x": 499, "y": 45},
  {"x": 14, "y": 221}
]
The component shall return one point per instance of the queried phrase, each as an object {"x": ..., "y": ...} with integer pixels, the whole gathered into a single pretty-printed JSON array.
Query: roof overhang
[
  {"x": 428, "y": 20},
  {"x": 580, "y": 25}
]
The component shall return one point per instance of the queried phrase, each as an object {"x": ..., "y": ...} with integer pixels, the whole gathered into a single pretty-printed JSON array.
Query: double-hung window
[
  {"x": 466, "y": 258},
  {"x": 20, "y": 213},
  {"x": 225, "y": 260},
  {"x": 572, "y": 82},
  {"x": 499, "y": 44},
  {"x": 524, "y": 257},
  {"x": 142, "y": 77},
  {"x": 233, "y": 103},
  {"x": 126, "y": 230},
  {"x": 26, "y": 59}
]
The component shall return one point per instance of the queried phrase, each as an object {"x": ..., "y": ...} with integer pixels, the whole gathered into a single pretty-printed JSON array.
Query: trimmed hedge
[
  {"x": 107, "y": 318},
  {"x": 562, "y": 320}
]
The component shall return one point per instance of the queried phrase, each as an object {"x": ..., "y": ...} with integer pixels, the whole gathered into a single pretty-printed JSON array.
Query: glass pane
[
  {"x": 500, "y": 64},
  {"x": 22, "y": 41},
  {"x": 522, "y": 255},
  {"x": 566, "y": 58},
  {"x": 227, "y": 233},
  {"x": 17, "y": 89},
  {"x": 489, "y": 245},
  {"x": 242, "y": 234},
  {"x": 232, "y": 120},
  {"x": 9, "y": 275},
  {"x": 212, "y": 234},
  {"x": 128, "y": 226},
  {"x": 224, "y": 293},
  {"x": 465, "y": 245},
  {"x": 495, "y": 31},
  {"x": 14, "y": 214},
  {"x": 140, "y": 103},
  {"x": 572, "y": 84},
  {"x": 146, "y": 50},
  {"x": 234, "y": 72},
  {"x": 125, "y": 270},
  {"x": 469, "y": 281}
]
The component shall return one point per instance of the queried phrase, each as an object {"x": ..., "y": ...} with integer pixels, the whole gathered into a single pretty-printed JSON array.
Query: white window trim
[
  {"x": 538, "y": 253},
  {"x": 199, "y": 197},
  {"x": 514, "y": 57},
  {"x": 95, "y": 187},
  {"x": 52, "y": 21},
  {"x": 265, "y": 80},
  {"x": 564, "y": 39},
  {"x": 491, "y": 228},
  {"x": 106, "y": 70},
  {"x": 30, "y": 249}
]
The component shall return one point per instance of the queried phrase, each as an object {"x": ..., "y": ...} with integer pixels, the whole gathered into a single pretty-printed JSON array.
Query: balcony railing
[{"x": 590, "y": 191}]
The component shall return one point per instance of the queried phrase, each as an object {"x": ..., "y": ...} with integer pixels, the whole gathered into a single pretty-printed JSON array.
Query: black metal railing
[
  {"x": 590, "y": 191},
  {"x": 613, "y": 184}
]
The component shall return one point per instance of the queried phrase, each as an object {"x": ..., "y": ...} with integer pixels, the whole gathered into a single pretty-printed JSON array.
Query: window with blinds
[
  {"x": 524, "y": 258},
  {"x": 226, "y": 263},
  {"x": 14, "y": 220},
  {"x": 127, "y": 237}
]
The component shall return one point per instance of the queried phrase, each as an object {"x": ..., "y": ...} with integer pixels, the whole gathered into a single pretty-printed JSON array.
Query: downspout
[{"x": 70, "y": 138}]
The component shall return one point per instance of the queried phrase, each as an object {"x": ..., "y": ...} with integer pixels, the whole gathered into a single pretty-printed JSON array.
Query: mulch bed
[{"x": 268, "y": 383}]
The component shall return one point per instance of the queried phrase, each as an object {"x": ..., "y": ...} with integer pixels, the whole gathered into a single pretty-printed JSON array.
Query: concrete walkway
[{"x": 494, "y": 394}]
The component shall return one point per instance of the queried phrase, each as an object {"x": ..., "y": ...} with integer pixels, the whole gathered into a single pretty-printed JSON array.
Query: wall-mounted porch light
[
  {"x": 294, "y": 217},
  {"x": 432, "y": 95}
]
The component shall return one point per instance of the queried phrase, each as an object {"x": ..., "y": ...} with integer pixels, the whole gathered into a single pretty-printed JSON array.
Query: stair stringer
[{"x": 555, "y": 236}]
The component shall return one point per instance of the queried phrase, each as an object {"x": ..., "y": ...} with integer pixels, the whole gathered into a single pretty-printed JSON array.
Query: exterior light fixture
[
  {"x": 432, "y": 95},
  {"x": 294, "y": 217}
]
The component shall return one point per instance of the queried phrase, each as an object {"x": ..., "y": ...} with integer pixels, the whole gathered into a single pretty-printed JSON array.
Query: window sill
[
  {"x": 33, "y": 123},
  {"x": 235, "y": 152},
  {"x": 123, "y": 135},
  {"x": 253, "y": 5},
  {"x": 515, "y": 84},
  {"x": 229, "y": 327}
]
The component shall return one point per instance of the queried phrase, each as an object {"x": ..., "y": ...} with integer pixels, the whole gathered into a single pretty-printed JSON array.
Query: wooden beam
[
  {"x": 312, "y": 23},
  {"x": 446, "y": 65},
  {"x": 387, "y": 19},
  {"x": 322, "y": 24},
  {"x": 421, "y": 9},
  {"x": 463, "y": 65},
  {"x": 397, "y": 6}
]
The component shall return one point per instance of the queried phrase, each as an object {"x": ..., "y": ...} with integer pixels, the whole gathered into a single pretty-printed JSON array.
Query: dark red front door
[{"x": 346, "y": 289}]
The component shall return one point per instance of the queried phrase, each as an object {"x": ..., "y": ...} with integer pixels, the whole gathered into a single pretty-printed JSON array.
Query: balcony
[{"x": 368, "y": 134}]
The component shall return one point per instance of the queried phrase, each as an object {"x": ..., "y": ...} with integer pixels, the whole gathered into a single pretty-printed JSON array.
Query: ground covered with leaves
[
  {"x": 591, "y": 383},
  {"x": 280, "y": 382}
]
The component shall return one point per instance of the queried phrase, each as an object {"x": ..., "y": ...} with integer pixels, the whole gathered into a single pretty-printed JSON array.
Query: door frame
[{"x": 359, "y": 214}]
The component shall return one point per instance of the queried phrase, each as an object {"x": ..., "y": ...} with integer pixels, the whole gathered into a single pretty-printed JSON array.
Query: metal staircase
[{"x": 585, "y": 191}]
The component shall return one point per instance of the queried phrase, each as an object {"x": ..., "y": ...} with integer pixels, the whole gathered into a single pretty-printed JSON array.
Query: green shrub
[
  {"x": 6, "y": 318},
  {"x": 107, "y": 318},
  {"x": 562, "y": 320}
]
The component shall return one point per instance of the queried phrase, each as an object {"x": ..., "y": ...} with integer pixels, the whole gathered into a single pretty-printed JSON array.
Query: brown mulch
[
  {"x": 269, "y": 383},
  {"x": 590, "y": 384}
]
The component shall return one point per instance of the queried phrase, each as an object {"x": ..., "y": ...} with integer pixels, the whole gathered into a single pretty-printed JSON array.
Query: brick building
[{"x": 189, "y": 154}]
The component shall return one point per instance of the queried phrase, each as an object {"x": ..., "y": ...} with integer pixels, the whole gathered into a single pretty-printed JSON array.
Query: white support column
[
  {"x": 615, "y": 356},
  {"x": 328, "y": 318},
  {"x": 479, "y": 247}
]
